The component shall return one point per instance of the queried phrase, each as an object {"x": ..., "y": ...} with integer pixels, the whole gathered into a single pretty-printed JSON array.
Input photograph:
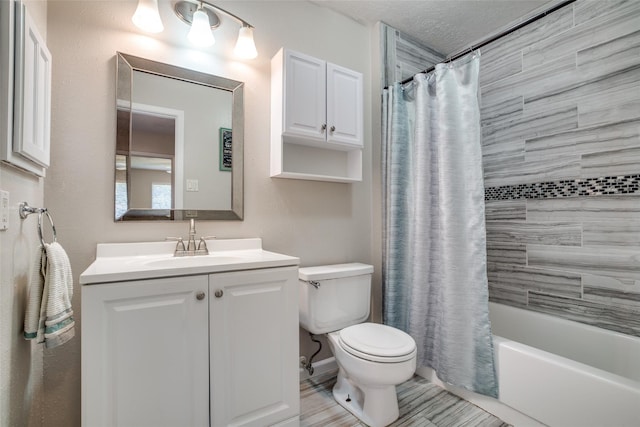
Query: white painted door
[
  {"x": 254, "y": 347},
  {"x": 145, "y": 353},
  {"x": 304, "y": 96},
  {"x": 344, "y": 105}
]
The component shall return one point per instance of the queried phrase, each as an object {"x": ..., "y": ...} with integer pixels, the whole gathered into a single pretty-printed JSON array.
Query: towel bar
[{"x": 26, "y": 210}]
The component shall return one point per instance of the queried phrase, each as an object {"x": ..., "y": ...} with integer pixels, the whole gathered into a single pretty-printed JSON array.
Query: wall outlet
[{"x": 4, "y": 210}]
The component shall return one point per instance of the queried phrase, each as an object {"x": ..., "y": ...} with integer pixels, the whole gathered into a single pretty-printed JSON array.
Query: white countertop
[{"x": 116, "y": 262}]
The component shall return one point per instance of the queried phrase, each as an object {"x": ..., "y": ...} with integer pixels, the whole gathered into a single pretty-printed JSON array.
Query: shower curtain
[{"x": 434, "y": 267}]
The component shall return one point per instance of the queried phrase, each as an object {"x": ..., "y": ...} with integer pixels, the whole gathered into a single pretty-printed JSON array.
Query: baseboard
[
  {"x": 320, "y": 367},
  {"x": 489, "y": 404}
]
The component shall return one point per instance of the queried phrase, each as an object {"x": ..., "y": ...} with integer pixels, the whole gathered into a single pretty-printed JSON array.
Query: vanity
[{"x": 208, "y": 340}]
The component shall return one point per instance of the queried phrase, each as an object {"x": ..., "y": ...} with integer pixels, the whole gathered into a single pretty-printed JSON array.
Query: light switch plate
[
  {"x": 4, "y": 210},
  {"x": 192, "y": 185}
]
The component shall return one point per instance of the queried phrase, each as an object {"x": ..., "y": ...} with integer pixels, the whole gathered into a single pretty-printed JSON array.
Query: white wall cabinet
[
  {"x": 33, "y": 92},
  {"x": 218, "y": 349},
  {"x": 28, "y": 88},
  {"x": 304, "y": 96},
  {"x": 344, "y": 106},
  {"x": 316, "y": 119}
]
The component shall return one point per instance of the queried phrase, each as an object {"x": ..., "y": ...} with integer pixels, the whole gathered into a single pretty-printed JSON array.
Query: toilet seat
[{"x": 377, "y": 343}]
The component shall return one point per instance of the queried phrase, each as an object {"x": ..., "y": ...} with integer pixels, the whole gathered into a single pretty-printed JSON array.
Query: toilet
[{"x": 372, "y": 358}]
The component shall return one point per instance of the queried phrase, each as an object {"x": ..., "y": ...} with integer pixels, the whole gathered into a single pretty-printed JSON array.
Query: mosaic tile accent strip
[
  {"x": 608, "y": 185},
  {"x": 560, "y": 105},
  {"x": 541, "y": 158}
]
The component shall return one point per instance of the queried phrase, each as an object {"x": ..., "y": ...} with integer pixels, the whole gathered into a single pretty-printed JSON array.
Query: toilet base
[{"x": 375, "y": 406}]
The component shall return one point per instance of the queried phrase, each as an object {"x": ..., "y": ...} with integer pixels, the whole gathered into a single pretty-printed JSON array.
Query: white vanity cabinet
[
  {"x": 254, "y": 347},
  {"x": 207, "y": 349},
  {"x": 316, "y": 119},
  {"x": 145, "y": 353}
]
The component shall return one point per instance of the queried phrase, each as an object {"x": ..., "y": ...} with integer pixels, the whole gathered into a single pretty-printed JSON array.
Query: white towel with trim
[{"x": 49, "y": 316}]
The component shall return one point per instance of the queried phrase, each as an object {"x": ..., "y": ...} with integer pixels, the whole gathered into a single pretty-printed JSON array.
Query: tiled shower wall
[
  {"x": 403, "y": 56},
  {"x": 561, "y": 147},
  {"x": 561, "y": 155}
]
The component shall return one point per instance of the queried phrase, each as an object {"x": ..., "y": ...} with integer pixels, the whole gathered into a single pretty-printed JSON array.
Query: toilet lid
[{"x": 380, "y": 343}]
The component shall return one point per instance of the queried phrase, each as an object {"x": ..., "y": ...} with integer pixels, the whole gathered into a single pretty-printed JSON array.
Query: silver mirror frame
[{"x": 127, "y": 64}]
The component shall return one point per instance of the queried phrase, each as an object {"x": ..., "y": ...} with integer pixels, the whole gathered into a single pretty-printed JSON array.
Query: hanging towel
[{"x": 49, "y": 316}]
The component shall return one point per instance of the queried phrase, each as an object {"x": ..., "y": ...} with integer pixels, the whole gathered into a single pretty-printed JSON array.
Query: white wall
[
  {"x": 21, "y": 362},
  {"x": 319, "y": 222}
]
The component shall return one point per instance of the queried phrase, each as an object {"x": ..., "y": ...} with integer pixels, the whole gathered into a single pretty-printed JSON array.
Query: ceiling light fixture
[{"x": 203, "y": 18}]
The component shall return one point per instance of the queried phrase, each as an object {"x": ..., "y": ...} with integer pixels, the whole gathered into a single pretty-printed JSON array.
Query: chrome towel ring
[{"x": 26, "y": 210}]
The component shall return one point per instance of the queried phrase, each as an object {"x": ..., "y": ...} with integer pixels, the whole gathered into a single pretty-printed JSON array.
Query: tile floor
[{"x": 422, "y": 404}]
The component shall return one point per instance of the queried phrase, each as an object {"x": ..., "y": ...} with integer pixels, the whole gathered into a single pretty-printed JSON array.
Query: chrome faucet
[
  {"x": 191, "y": 243},
  {"x": 191, "y": 248}
]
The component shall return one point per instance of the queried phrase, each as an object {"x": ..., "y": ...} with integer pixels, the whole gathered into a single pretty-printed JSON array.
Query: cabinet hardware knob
[
  {"x": 200, "y": 296},
  {"x": 332, "y": 129},
  {"x": 218, "y": 293},
  {"x": 323, "y": 127}
]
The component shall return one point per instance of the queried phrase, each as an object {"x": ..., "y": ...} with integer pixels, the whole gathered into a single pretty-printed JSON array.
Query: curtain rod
[{"x": 495, "y": 37}]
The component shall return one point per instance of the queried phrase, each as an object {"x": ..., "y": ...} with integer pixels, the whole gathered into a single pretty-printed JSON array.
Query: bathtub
[
  {"x": 565, "y": 373},
  {"x": 559, "y": 372}
]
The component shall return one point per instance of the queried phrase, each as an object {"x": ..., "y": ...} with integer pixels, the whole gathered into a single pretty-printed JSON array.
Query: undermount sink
[{"x": 116, "y": 262}]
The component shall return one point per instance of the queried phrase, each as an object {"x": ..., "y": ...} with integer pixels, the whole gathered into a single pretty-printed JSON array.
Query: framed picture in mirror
[{"x": 226, "y": 145}]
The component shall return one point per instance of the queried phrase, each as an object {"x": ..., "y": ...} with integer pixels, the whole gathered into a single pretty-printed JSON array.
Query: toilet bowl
[
  {"x": 372, "y": 358},
  {"x": 369, "y": 373}
]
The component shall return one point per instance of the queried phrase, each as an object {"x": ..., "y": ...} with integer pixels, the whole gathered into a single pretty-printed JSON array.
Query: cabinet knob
[
  {"x": 218, "y": 293},
  {"x": 200, "y": 296},
  {"x": 323, "y": 127},
  {"x": 332, "y": 129}
]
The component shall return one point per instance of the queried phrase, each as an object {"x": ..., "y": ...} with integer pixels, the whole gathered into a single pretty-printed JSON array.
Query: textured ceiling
[{"x": 445, "y": 25}]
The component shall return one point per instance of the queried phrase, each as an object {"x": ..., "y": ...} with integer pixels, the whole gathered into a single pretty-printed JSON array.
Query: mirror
[{"x": 179, "y": 143}]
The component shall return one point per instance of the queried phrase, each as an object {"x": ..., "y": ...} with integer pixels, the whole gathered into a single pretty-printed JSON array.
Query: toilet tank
[{"x": 333, "y": 297}]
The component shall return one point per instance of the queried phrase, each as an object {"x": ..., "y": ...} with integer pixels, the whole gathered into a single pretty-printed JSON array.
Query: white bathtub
[
  {"x": 565, "y": 373},
  {"x": 560, "y": 373}
]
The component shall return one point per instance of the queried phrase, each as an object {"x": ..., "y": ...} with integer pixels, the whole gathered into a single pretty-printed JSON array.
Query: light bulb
[
  {"x": 200, "y": 33},
  {"x": 245, "y": 46},
  {"x": 147, "y": 17}
]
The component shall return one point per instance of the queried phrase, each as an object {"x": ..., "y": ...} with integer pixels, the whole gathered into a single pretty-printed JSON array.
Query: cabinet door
[
  {"x": 254, "y": 347},
  {"x": 304, "y": 96},
  {"x": 145, "y": 353},
  {"x": 344, "y": 105},
  {"x": 33, "y": 91}
]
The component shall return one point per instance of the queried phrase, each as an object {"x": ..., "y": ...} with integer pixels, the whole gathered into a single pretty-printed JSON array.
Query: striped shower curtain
[{"x": 434, "y": 267}]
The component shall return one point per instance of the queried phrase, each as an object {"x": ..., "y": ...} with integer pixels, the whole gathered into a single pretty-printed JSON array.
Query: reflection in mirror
[{"x": 175, "y": 155}]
